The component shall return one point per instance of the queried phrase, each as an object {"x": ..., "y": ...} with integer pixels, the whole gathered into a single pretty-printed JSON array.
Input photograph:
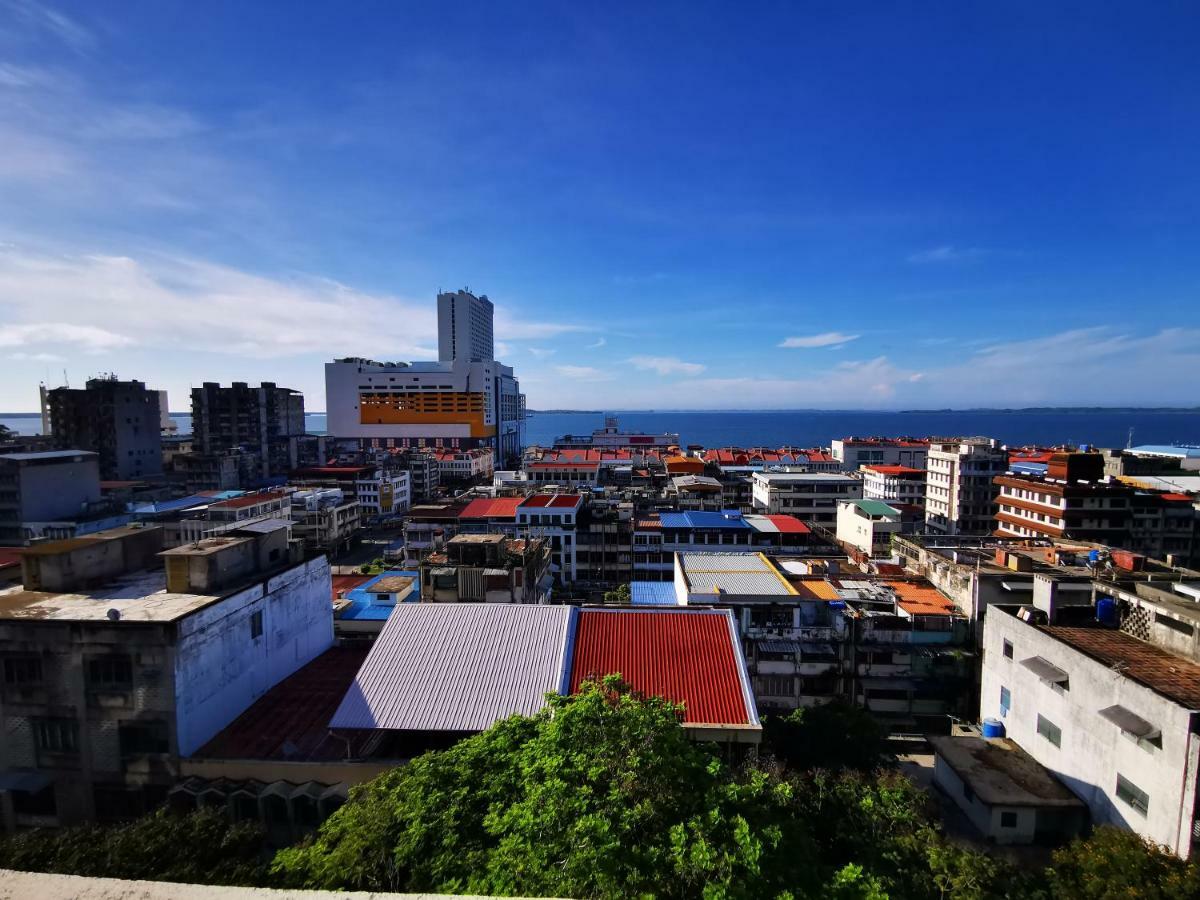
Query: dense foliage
[
  {"x": 622, "y": 594},
  {"x": 202, "y": 847},
  {"x": 604, "y": 795}
]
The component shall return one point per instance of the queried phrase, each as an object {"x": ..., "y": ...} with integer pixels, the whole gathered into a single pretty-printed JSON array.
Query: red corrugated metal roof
[
  {"x": 789, "y": 524},
  {"x": 333, "y": 470},
  {"x": 921, "y": 599},
  {"x": 685, "y": 657},
  {"x": 344, "y": 583},
  {"x": 9, "y": 558},
  {"x": 895, "y": 470},
  {"x": 1182, "y": 498},
  {"x": 249, "y": 500},
  {"x": 488, "y": 508}
]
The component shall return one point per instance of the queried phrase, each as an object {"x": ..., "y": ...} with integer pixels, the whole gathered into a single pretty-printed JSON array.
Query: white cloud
[
  {"x": 947, "y": 253},
  {"x": 599, "y": 342},
  {"x": 515, "y": 329},
  {"x": 825, "y": 339},
  {"x": 583, "y": 373},
  {"x": 36, "y": 357},
  {"x": 38, "y": 18},
  {"x": 665, "y": 365},
  {"x": 85, "y": 337},
  {"x": 541, "y": 352}
]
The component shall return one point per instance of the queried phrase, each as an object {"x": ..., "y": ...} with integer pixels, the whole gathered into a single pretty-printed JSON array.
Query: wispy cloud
[
  {"x": 541, "y": 352},
  {"x": 84, "y": 337},
  {"x": 825, "y": 339},
  {"x": 665, "y": 365},
  {"x": 515, "y": 329},
  {"x": 583, "y": 373},
  {"x": 598, "y": 343},
  {"x": 947, "y": 253},
  {"x": 39, "y": 19}
]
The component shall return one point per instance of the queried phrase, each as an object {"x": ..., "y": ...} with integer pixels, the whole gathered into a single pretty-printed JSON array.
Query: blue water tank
[
  {"x": 1094, "y": 557},
  {"x": 1106, "y": 612},
  {"x": 993, "y": 728}
]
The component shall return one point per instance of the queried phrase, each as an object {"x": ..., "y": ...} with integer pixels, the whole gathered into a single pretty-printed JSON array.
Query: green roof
[{"x": 876, "y": 508}]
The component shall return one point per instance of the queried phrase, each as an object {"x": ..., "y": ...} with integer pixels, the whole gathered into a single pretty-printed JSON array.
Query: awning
[
  {"x": 1129, "y": 721},
  {"x": 1045, "y": 670},
  {"x": 780, "y": 646},
  {"x": 29, "y": 782}
]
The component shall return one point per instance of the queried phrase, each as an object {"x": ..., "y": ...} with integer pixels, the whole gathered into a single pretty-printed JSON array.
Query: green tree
[
  {"x": 835, "y": 735},
  {"x": 620, "y": 595},
  {"x": 1114, "y": 864},
  {"x": 203, "y": 847},
  {"x": 602, "y": 794}
]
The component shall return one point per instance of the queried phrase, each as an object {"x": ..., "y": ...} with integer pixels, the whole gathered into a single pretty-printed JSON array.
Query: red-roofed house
[
  {"x": 853, "y": 452},
  {"x": 693, "y": 658},
  {"x": 554, "y": 517},
  {"x": 894, "y": 484}
]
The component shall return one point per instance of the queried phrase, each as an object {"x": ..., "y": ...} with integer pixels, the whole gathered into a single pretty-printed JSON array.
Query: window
[
  {"x": 1049, "y": 731},
  {"x": 1005, "y": 701},
  {"x": 256, "y": 625},
  {"x": 22, "y": 670},
  {"x": 1008, "y": 650},
  {"x": 1008, "y": 820},
  {"x": 1133, "y": 795},
  {"x": 1173, "y": 624},
  {"x": 137, "y": 738},
  {"x": 56, "y": 735},
  {"x": 110, "y": 672}
]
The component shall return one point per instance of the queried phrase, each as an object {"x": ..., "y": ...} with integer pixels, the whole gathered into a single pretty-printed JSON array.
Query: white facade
[
  {"x": 894, "y": 487},
  {"x": 383, "y": 493},
  {"x": 557, "y": 525},
  {"x": 466, "y": 465},
  {"x": 852, "y": 453},
  {"x": 809, "y": 496},
  {"x": 465, "y": 327},
  {"x": 1146, "y": 785},
  {"x": 868, "y": 529},
  {"x": 221, "y": 667},
  {"x": 959, "y": 495}
]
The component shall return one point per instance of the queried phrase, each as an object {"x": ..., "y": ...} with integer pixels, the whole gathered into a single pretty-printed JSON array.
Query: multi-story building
[
  {"x": 657, "y": 538},
  {"x": 382, "y": 491},
  {"x": 855, "y": 452},
  {"x": 224, "y": 515},
  {"x": 118, "y": 420},
  {"x": 894, "y": 484},
  {"x": 261, "y": 421},
  {"x": 868, "y": 526},
  {"x": 811, "y": 497},
  {"x": 465, "y": 327},
  {"x": 554, "y": 518},
  {"x": 1105, "y": 692},
  {"x": 611, "y": 437},
  {"x": 959, "y": 495},
  {"x": 116, "y": 666},
  {"x": 47, "y": 487},
  {"x": 325, "y": 519},
  {"x": 458, "y": 467}
]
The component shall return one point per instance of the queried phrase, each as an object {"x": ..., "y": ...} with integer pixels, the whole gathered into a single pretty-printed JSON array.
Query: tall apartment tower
[
  {"x": 465, "y": 327},
  {"x": 960, "y": 497},
  {"x": 260, "y": 420},
  {"x": 118, "y": 420}
]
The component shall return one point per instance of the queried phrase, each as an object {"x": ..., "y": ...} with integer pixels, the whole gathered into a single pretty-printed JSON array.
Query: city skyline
[{"x": 814, "y": 208}]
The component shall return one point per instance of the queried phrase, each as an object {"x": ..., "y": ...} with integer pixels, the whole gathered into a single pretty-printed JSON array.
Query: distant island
[{"x": 1023, "y": 410}]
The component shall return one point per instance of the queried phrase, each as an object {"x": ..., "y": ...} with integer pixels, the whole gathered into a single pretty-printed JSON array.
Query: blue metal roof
[
  {"x": 1029, "y": 468},
  {"x": 362, "y": 592},
  {"x": 1169, "y": 450},
  {"x": 652, "y": 593},
  {"x": 729, "y": 519},
  {"x": 164, "y": 506}
]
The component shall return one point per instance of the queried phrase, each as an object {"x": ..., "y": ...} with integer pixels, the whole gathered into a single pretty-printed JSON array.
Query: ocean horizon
[{"x": 809, "y": 428}]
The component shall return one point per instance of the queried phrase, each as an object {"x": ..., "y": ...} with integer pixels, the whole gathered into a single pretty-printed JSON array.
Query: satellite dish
[{"x": 114, "y": 615}]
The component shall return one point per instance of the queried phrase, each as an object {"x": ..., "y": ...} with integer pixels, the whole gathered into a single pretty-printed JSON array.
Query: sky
[{"x": 672, "y": 205}]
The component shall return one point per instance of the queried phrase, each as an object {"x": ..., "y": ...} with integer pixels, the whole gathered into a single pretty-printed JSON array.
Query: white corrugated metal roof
[
  {"x": 732, "y": 573},
  {"x": 458, "y": 667}
]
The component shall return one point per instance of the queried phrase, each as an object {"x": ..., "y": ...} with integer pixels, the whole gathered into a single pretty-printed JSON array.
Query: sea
[{"x": 816, "y": 428}]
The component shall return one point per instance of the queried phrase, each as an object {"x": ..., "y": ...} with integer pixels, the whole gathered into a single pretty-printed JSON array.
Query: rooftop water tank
[
  {"x": 993, "y": 728},
  {"x": 1106, "y": 612}
]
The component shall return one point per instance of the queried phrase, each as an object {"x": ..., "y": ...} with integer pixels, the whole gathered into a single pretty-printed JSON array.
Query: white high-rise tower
[{"x": 465, "y": 327}]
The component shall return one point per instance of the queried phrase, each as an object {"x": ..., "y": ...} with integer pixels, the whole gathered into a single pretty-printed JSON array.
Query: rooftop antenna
[
  {"x": 1129, "y": 442},
  {"x": 66, "y": 381}
]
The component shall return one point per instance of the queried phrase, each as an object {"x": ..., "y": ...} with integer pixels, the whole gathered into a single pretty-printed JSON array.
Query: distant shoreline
[{"x": 1026, "y": 410}]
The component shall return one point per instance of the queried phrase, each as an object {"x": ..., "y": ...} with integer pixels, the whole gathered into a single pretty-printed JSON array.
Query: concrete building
[
  {"x": 611, "y": 437},
  {"x": 325, "y": 519},
  {"x": 121, "y": 660},
  {"x": 894, "y": 484},
  {"x": 47, "y": 487},
  {"x": 1115, "y": 717},
  {"x": 383, "y": 491},
  {"x": 465, "y": 327},
  {"x": 868, "y": 526},
  {"x": 120, "y": 421},
  {"x": 959, "y": 495},
  {"x": 554, "y": 518},
  {"x": 459, "y": 467},
  {"x": 260, "y": 421},
  {"x": 854, "y": 452},
  {"x": 657, "y": 538},
  {"x": 487, "y": 568},
  {"x": 811, "y": 497}
]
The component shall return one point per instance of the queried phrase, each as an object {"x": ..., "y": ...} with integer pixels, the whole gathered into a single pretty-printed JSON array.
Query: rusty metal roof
[{"x": 458, "y": 667}]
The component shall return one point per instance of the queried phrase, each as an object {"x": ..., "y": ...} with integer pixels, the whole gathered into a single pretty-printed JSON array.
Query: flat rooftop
[
  {"x": 1001, "y": 773},
  {"x": 137, "y": 596}
]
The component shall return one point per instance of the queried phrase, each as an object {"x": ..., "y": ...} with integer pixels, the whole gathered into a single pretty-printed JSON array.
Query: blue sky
[{"x": 673, "y": 205}]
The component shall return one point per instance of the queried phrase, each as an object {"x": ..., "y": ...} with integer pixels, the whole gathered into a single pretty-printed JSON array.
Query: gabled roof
[
  {"x": 696, "y": 519},
  {"x": 781, "y": 524},
  {"x": 922, "y": 600},
  {"x": 689, "y": 657},
  {"x": 458, "y": 667},
  {"x": 555, "y": 501}
]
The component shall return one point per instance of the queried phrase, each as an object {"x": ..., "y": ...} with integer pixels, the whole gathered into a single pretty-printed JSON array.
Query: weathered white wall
[
  {"x": 1093, "y": 749},
  {"x": 220, "y": 669}
]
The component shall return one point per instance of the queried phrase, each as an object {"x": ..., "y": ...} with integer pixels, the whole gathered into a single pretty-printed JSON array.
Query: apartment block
[
  {"x": 959, "y": 495},
  {"x": 40, "y": 489},
  {"x": 119, "y": 421},
  {"x": 811, "y": 497},
  {"x": 260, "y": 421},
  {"x": 854, "y": 452}
]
